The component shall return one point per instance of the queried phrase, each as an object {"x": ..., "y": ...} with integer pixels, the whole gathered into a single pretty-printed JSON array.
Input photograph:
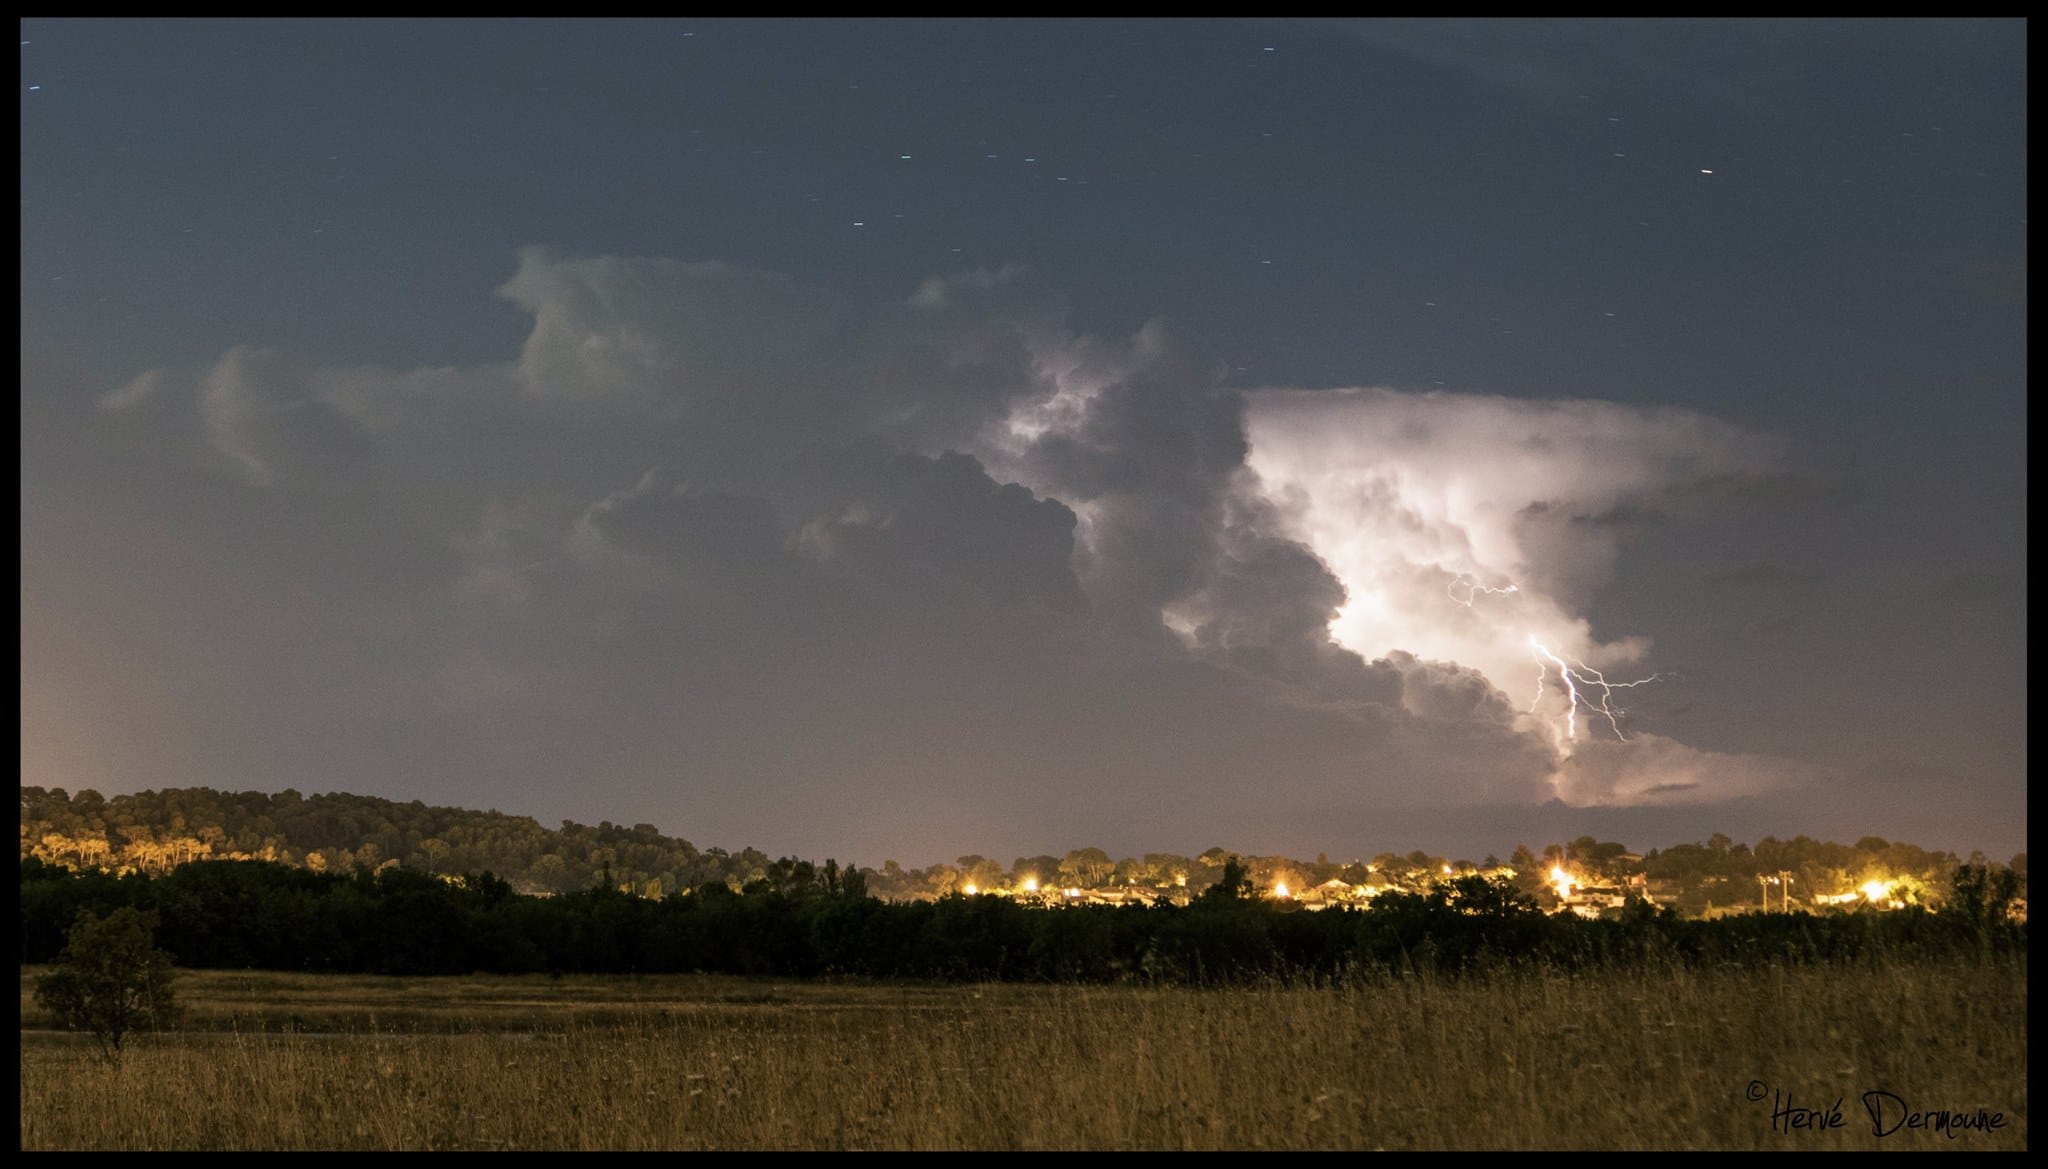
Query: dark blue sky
[{"x": 1810, "y": 232}]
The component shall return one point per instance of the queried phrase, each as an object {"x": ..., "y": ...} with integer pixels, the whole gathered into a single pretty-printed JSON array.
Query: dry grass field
[{"x": 1663, "y": 1060}]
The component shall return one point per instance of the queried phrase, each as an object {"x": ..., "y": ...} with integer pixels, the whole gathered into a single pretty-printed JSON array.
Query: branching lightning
[
  {"x": 1574, "y": 674},
  {"x": 1583, "y": 685},
  {"x": 1473, "y": 588}
]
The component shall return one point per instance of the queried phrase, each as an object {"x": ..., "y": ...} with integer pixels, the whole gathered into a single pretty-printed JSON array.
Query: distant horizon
[{"x": 1008, "y": 856}]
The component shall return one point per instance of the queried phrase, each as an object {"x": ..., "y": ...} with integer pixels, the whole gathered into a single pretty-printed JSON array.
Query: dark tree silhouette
[{"x": 111, "y": 979}]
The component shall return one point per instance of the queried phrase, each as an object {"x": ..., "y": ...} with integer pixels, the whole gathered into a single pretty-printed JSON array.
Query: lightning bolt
[
  {"x": 1583, "y": 685},
  {"x": 1574, "y": 675},
  {"x": 1473, "y": 588}
]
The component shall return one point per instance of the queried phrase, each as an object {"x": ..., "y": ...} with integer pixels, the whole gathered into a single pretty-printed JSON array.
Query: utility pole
[
  {"x": 1763, "y": 892},
  {"x": 1785, "y": 883}
]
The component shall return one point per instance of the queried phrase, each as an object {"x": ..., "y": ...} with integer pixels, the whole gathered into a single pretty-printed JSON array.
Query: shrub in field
[{"x": 111, "y": 979}]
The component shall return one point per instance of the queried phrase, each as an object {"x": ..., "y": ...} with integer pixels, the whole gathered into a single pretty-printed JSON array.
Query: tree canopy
[{"x": 110, "y": 979}]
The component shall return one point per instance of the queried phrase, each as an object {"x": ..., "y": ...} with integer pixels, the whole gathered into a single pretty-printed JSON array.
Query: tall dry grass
[{"x": 1661, "y": 1060}]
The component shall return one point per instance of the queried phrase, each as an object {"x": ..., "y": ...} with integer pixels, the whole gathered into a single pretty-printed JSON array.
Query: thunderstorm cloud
[{"x": 764, "y": 565}]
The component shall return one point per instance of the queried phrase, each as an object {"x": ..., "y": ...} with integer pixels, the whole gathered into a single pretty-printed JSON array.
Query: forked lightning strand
[
  {"x": 1574, "y": 674},
  {"x": 1579, "y": 679},
  {"x": 1473, "y": 588}
]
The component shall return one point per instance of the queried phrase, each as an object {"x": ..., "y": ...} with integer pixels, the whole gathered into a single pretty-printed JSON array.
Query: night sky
[{"x": 909, "y": 439}]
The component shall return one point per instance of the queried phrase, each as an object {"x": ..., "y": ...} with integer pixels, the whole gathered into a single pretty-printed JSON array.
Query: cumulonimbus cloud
[
  {"x": 1475, "y": 528},
  {"x": 708, "y": 515}
]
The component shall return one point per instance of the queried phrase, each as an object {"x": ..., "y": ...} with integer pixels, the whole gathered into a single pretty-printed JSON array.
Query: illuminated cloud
[
  {"x": 1651, "y": 770},
  {"x": 717, "y": 548},
  {"x": 1475, "y": 529}
]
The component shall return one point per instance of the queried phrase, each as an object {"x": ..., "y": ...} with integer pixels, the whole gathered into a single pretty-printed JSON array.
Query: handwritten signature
[{"x": 1888, "y": 1112}]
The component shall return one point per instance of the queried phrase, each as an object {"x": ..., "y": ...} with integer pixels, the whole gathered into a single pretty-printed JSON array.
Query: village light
[
  {"x": 1280, "y": 890},
  {"x": 1031, "y": 884},
  {"x": 1562, "y": 880},
  {"x": 970, "y": 889}
]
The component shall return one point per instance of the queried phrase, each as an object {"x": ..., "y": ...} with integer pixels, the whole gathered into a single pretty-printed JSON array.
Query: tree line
[
  {"x": 155, "y": 832},
  {"x": 268, "y": 915}
]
